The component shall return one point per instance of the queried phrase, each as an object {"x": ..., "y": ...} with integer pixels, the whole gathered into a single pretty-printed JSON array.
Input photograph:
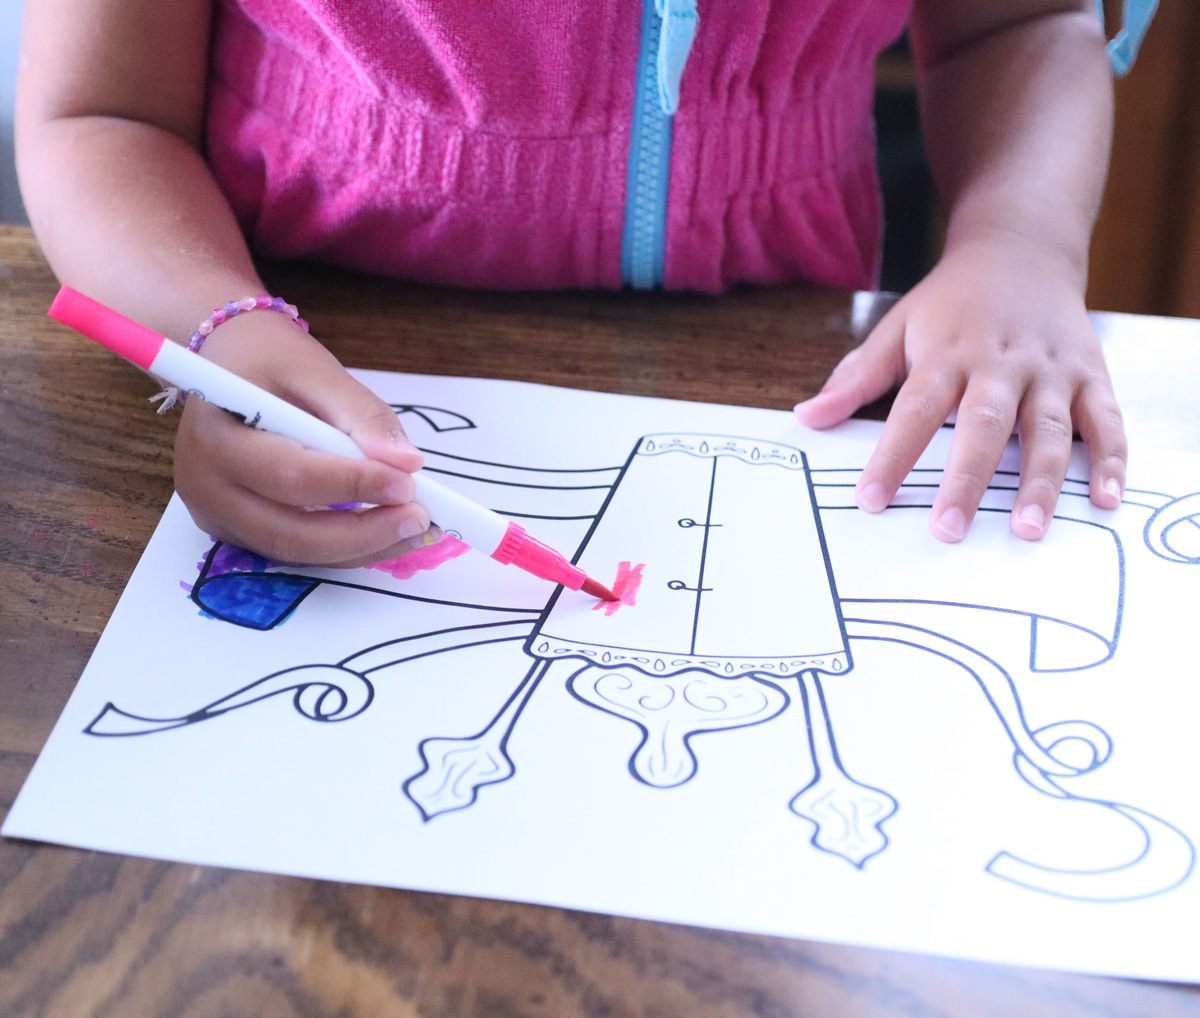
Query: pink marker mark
[
  {"x": 430, "y": 557},
  {"x": 625, "y": 586},
  {"x": 91, "y": 522}
]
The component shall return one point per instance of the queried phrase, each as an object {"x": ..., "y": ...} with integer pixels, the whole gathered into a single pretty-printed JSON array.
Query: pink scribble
[
  {"x": 625, "y": 586},
  {"x": 429, "y": 557},
  {"x": 91, "y": 521}
]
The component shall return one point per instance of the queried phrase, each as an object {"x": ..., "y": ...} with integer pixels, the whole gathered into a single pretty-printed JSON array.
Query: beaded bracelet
[
  {"x": 263, "y": 302},
  {"x": 171, "y": 394}
]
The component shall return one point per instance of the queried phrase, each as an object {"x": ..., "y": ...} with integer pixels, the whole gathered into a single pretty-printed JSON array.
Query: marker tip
[{"x": 590, "y": 586}]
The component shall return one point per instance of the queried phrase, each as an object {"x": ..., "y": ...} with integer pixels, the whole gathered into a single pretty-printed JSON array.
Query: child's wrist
[
  {"x": 254, "y": 338},
  {"x": 1025, "y": 245},
  {"x": 244, "y": 305},
  {"x": 1060, "y": 228},
  {"x": 254, "y": 345}
]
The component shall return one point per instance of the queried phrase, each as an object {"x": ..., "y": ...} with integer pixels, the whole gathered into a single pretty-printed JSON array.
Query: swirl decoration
[
  {"x": 319, "y": 693},
  {"x": 322, "y": 692},
  {"x": 1166, "y": 857},
  {"x": 1170, "y": 522},
  {"x": 671, "y": 709},
  {"x": 1066, "y": 749}
]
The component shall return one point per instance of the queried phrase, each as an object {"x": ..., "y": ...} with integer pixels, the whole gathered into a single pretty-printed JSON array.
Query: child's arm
[
  {"x": 109, "y": 112},
  {"x": 1016, "y": 103}
]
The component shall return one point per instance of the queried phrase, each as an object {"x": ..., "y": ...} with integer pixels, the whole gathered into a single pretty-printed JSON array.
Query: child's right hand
[{"x": 259, "y": 490}]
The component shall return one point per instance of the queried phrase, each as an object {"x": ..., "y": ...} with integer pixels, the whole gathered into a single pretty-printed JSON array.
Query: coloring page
[{"x": 798, "y": 719}]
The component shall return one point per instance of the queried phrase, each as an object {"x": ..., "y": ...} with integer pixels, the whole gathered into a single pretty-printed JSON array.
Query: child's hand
[
  {"x": 998, "y": 332},
  {"x": 257, "y": 489}
]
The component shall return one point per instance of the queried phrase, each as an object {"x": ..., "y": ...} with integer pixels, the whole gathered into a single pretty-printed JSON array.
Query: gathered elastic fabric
[{"x": 406, "y": 138}]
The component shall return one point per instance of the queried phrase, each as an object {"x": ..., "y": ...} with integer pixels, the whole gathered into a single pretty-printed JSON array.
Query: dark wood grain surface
[{"x": 85, "y": 472}]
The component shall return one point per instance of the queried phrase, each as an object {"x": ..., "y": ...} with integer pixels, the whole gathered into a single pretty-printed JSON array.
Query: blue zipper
[
  {"x": 668, "y": 29},
  {"x": 1136, "y": 16}
]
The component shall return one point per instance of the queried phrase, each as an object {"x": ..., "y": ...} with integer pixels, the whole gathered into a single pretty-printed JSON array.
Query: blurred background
[
  {"x": 11, "y": 209},
  {"x": 1146, "y": 249}
]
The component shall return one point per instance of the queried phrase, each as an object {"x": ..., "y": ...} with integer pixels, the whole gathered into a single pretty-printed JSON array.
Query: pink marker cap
[{"x": 121, "y": 335}]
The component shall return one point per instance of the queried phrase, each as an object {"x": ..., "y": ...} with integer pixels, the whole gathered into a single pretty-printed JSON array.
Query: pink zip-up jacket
[{"x": 488, "y": 144}]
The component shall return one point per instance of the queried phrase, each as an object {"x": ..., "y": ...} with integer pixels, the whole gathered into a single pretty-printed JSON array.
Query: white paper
[{"x": 814, "y": 722}]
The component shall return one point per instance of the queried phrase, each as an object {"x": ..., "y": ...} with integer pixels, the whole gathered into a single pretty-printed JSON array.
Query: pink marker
[{"x": 482, "y": 529}]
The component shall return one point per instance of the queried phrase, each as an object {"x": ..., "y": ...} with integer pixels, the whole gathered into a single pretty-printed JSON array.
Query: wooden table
[{"x": 85, "y": 472}]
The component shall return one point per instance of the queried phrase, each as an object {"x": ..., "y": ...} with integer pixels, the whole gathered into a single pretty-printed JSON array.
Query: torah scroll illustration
[{"x": 700, "y": 522}]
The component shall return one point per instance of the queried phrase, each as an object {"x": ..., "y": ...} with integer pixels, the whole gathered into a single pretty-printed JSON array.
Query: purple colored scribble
[{"x": 229, "y": 558}]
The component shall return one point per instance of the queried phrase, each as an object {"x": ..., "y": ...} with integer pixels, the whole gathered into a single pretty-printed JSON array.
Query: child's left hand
[{"x": 998, "y": 332}]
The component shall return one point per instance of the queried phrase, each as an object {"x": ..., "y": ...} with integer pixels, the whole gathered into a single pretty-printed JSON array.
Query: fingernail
[
  {"x": 1033, "y": 516},
  {"x": 815, "y": 397},
  {"x": 953, "y": 524},
  {"x": 400, "y": 441},
  {"x": 1113, "y": 487},
  {"x": 411, "y": 526},
  {"x": 398, "y": 491},
  {"x": 872, "y": 498}
]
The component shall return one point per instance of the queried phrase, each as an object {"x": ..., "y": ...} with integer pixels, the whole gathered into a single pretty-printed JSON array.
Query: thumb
[
  {"x": 863, "y": 375},
  {"x": 351, "y": 407}
]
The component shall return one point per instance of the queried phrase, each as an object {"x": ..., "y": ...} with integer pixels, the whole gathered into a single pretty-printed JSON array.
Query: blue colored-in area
[{"x": 254, "y": 600}]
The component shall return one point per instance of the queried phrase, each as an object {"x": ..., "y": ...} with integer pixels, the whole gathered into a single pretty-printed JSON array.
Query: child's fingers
[
  {"x": 214, "y": 453},
  {"x": 984, "y": 425},
  {"x": 863, "y": 375},
  {"x": 1044, "y": 424},
  {"x": 350, "y": 406},
  {"x": 211, "y": 443},
  {"x": 434, "y": 535},
  {"x": 252, "y": 488},
  {"x": 334, "y": 537},
  {"x": 1101, "y": 426},
  {"x": 920, "y": 408},
  {"x": 282, "y": 471}
]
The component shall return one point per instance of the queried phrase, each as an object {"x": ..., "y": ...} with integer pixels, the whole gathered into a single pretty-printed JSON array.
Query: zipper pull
[
  {"x": 678, "y": 31},
  {"x": 1135, "y": 19}
]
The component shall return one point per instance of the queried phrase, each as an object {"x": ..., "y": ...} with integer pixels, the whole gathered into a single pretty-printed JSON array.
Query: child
[{"x": 491, "y": 145}]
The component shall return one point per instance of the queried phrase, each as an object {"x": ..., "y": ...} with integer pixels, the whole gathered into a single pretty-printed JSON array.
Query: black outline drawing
[{"x": 675, "y": 694}]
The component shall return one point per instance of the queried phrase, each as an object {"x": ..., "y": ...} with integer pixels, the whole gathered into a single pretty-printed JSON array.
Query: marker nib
[{"x": 590, "y": 586}]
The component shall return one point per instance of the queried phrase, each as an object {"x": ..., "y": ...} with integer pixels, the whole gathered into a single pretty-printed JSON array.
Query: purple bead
[
  {"x": 278, "y": 304},
  {"x": 302, "y": 323},
  {"x": 195, "y": 340},
  {"x": 233, "y": 307}
]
